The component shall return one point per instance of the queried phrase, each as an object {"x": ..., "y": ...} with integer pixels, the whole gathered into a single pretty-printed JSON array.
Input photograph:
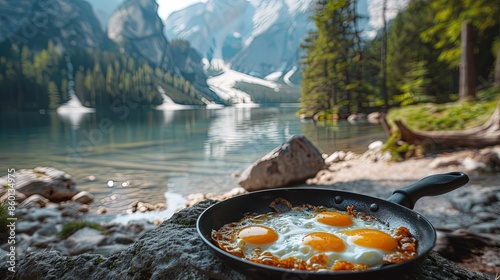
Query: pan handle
[{"x": 429, "y": 186}]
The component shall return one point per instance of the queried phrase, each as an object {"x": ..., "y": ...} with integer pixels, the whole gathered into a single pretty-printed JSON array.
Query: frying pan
[{"x": 396, "y": 211}]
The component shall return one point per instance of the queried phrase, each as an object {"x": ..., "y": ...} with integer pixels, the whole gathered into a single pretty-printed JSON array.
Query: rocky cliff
[
  {"x": 136, "y": 27},
  {"x": 67, "y": 23},
  {"x": 257, "y": 37}
]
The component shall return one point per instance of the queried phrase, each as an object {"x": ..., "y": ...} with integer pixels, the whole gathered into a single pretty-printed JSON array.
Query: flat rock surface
[{"x": 174, "y": 251}]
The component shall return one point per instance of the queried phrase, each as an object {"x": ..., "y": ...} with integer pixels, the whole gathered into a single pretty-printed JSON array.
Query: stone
[
  {"x": 489, "y": 227},
  {"x": 291, "y": 163},
  {"x": 41, "y": 214},
  {"x": 53, "y": 184},
  {"x": 83, "y": 197},
  {"x": 470, "y": 164},
  {"x": 83, "y": 240},
  {"x": 486, "y": 216},
  {"x": 47, "y": 230},
  {"x": 446, "y": 161},
  {"x": 174, "y": 251},
  {"x": 376, "y": 146},
  {"x": 42, "y": 241},
  {"x": 35, "y": 200},
  {"x": 119, "y": 238},
  {"x": 335, "y": 157},
  {"x": 108, "y": 250},
  {"x": 27, "y": 227},
  {"x": 193, "y": 199},
  {"x": 374, "y": 118}
]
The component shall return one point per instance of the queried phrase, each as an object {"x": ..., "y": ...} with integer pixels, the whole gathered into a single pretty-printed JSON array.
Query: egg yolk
[
  {"x": 324, "y": 242},
  {"x": 258, "y": 235},
  {"x": 372, "y": 238},
  {"x": 334, "y": 219}
]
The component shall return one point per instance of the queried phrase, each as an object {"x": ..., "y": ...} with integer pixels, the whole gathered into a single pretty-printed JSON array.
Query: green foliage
[
  {"x": 3, "y": 221},
  {"x": 71, "y": 227},
  {"x": 333, "y": 62},
  {"x": 449, "y": 17},
  {"x": 262, "y": 94},
  {"x": 99, "y": 260},
  {"x": 34, "y": 79},
  {"x": 414, "y": 72},
  {"x": 430, "y": 116},
  {"x": 399, "y": 151},
  {"x": 447, "y": 116},
  {"x": 423, "y": 47}
]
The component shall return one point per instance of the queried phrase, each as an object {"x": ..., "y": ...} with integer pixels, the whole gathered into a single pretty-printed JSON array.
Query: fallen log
[{"x": 481, "y": 136}]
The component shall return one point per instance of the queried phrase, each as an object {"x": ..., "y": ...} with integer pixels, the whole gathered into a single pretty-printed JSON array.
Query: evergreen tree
[{"x": 332, "y": 78}]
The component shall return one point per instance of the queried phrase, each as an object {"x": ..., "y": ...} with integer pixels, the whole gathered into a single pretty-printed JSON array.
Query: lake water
[{"x": 151, "y": 155}]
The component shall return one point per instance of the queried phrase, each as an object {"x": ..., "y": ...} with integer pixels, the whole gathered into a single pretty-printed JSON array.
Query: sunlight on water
[{"x": 149, "y": 153}]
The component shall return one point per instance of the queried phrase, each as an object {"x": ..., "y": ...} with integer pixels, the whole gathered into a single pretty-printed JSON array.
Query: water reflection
[
  {"x": 159, "y": 151},
  {"x": 244, "y": 129}
]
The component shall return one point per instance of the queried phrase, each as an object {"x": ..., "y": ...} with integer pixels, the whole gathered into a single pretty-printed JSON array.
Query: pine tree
[{"x": 332, "y": 76}]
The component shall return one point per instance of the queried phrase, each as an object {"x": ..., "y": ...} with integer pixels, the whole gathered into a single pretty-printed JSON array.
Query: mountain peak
[{"x": 256, "y": 37}]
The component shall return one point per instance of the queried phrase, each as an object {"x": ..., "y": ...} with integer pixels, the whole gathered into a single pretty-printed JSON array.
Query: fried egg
[{"x": 312, "y": 239}]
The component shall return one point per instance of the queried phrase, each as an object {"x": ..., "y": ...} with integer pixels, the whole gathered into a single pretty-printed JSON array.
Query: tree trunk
[
  {"x": 485, "y": 135},
  {"x": 467, "y": 89}
]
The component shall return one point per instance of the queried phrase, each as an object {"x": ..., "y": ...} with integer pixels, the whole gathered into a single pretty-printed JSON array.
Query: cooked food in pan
[{"x": 315, "y": 239}]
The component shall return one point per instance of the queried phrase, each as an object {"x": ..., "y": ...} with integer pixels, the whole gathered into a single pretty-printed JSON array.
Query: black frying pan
[{"x": 396, "y": 211}]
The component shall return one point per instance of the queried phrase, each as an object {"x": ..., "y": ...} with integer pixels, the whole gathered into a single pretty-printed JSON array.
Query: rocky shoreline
[{"x": 469, "y": 213}]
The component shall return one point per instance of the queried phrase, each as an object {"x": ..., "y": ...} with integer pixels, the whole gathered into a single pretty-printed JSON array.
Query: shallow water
[{"x": 125, "y": 155}]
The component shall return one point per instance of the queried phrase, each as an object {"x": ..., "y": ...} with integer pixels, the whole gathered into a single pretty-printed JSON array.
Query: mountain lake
[{"x": 158, "y": 155}]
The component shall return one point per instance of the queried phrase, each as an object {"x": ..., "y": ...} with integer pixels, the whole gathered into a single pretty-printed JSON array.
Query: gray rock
[
  {"x": 84, "y": 240},
  {"x": 53, "y": 184},
  {"x": 83, "y": 197},
  {"x": 108, "y": 250},
  {"x": 335, "y": 157},
  {"x": 486, "y": 216},
  {"x": 27, "y": 227},
  {"x": 42, "y": 241},
  {"x": 292, "y": 163},
  {"x": 137, "y": 24},
  {"x": 48, "y": 230},
  {"x": 119, "y": 238},
  {"x": 446, "y": 161},
  {"x": 489, "y": 227},
  {"x": 40, "y": 214},
  {"x": 465, "y": 201},
  {"x": 174, "y": 251},
  {"x": 35, "y": 200}
]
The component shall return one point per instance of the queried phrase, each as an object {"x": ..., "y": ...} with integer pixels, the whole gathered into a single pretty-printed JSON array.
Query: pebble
[
  {"x": 27, "y": 227},
  {"x": 40, "y": 222}
]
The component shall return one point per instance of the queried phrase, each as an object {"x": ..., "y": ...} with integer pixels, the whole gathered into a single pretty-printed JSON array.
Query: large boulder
[
  {"x": 175, "y": 251},
  {"x": 291, "y": 163},
  {"x": 51, "y": 183}
]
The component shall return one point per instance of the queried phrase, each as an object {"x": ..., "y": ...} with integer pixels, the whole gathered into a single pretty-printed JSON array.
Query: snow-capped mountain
[{"x": 256, "y": 37}]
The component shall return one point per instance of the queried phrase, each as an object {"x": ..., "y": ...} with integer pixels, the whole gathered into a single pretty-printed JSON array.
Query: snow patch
[
  {"x": 223, "y": 86},
  {"x": 169, "y": 104},
  {"x": 273, "y": 76}
]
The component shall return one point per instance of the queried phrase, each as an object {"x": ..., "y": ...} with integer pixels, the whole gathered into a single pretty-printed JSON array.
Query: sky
[{"x": 166, "y": 7}]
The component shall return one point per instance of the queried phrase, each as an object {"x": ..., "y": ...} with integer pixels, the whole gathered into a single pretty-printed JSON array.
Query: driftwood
[{"x": 481, "y": 136}]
